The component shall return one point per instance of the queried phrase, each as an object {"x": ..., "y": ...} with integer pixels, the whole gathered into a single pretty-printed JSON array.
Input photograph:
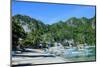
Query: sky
[{"x": 52, "y": 13}]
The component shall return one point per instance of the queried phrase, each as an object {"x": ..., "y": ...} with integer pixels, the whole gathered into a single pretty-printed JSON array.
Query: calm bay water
[{"x": 85, "y": 54}]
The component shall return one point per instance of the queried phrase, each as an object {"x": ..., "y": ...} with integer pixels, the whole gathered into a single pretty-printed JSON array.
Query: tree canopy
[{"x": 33, "y": 31}]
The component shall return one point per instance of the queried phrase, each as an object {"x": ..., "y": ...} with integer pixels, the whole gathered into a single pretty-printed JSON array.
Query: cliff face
[{"x": 81, "y": 30}]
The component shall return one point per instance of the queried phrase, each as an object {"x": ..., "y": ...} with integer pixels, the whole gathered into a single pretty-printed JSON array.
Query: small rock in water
[{"x": 58, "y": 49}]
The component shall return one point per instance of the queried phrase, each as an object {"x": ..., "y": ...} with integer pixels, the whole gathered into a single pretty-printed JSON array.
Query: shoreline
[{"x": 36, "y": 58}]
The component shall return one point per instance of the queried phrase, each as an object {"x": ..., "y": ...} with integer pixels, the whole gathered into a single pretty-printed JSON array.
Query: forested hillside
[{"x": 29, "y": 31}]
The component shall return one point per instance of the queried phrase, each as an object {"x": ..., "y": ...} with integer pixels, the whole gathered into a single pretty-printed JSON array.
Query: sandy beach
[{"x": 37, "y": 56}]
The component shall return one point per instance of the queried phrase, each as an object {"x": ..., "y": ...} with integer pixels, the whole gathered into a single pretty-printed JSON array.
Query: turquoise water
[{"x": 85, "y": 54}]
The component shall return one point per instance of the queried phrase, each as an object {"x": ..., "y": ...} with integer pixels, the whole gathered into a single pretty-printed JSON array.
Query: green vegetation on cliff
[{"x": 32, "y": 32}]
